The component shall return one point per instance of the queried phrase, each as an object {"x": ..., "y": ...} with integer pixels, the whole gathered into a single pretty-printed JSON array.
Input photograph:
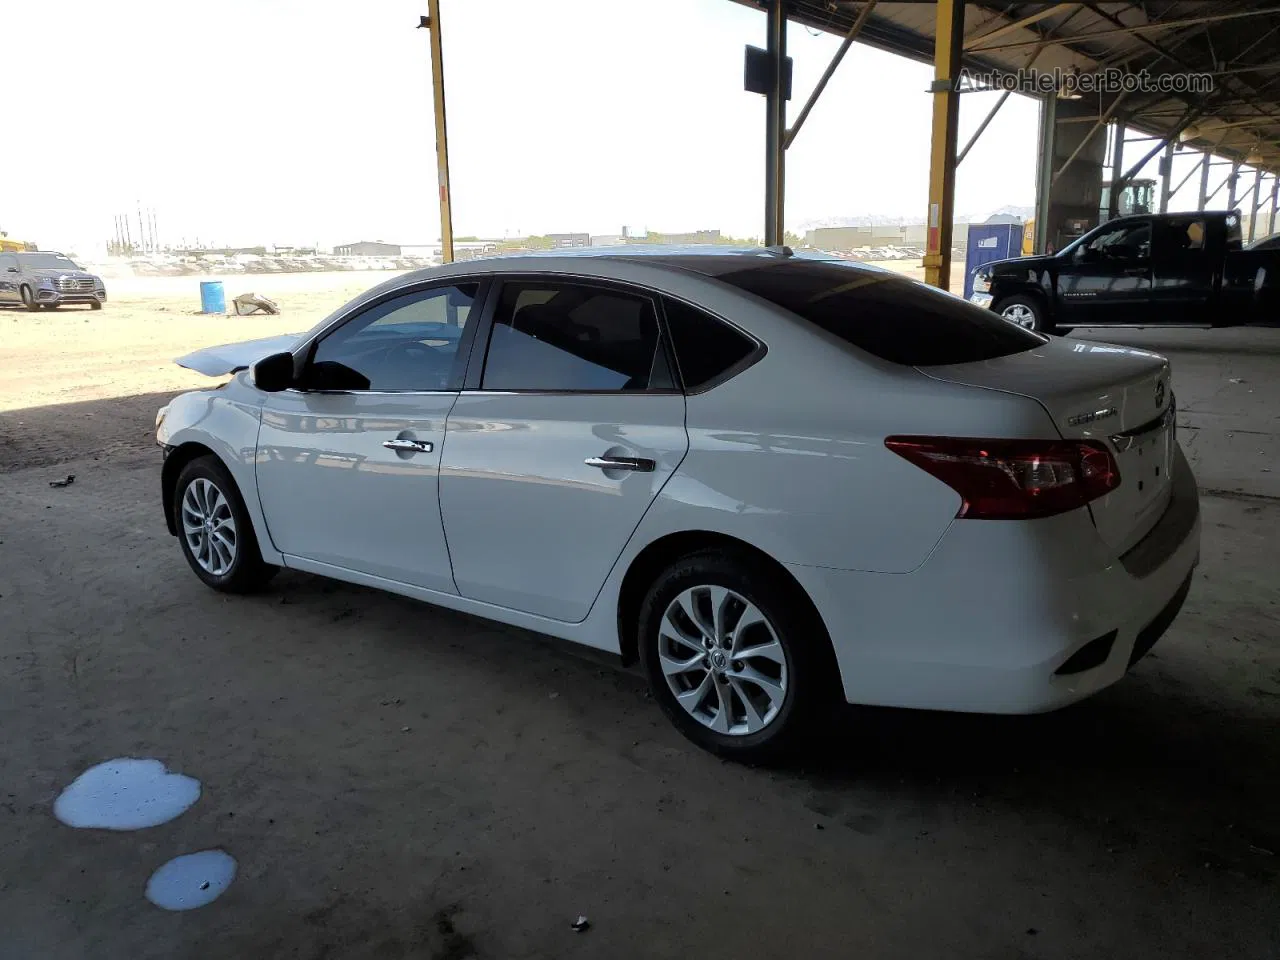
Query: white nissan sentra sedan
[{"x": 772, "y": 481}]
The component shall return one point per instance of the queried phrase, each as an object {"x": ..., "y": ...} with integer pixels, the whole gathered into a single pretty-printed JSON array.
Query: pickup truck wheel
[
  {"x": 29, "y": 300},
  {"x": 1026, "y": 312}
]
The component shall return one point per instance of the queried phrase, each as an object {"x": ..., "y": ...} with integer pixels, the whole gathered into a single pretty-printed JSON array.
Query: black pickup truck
[{"x": 1175, "y": 269}]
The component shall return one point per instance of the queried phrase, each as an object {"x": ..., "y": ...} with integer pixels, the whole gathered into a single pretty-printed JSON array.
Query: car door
[
  {"x": 1185, "y": 263},
  {"x": 348, "y": 464},
  {"x": 569, "y": 426},
  {"x": 1106, "y": 278},
  {"x": 8, "y": 278}
]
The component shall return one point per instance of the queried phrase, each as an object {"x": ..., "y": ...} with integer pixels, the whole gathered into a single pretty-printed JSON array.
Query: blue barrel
[{"x": 212, "y": 299}]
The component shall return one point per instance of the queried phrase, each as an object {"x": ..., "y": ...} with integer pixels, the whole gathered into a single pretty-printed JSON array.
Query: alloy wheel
[
  {"x": 1020, "y": 314},
  {"x": 209, "y": 527},
  {"x": 722, "y": 660}
]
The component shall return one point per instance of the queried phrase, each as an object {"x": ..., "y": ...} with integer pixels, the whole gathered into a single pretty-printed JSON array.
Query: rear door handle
[
  {"x": 638, "y": 464},
  {"x": 408, "y": 446}
]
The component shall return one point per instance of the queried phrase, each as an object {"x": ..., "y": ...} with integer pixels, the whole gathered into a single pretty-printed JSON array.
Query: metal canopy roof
[{"x": 1235, "y": 41}]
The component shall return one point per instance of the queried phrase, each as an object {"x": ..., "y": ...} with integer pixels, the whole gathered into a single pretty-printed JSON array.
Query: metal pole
[
  {"x": 991, "y": 115},
  {"x": 775, "y": 125},
  {"x": 849, "y": 37},
  {"x": 1117, "y": 164},
  {"x": 1204, "y": 181},
  {"x": 432, "y": 23},
  {"x": 1253, "y": 214},
  {"x": 947, "y": 50},
  {"x": 1044, "y": 172},
  {"x": 1275, "y": 194},
  {"x": 1166, "y": 176},
  {"x": 1183, "y": 182},
  {"x": 1232, "y": 179}
]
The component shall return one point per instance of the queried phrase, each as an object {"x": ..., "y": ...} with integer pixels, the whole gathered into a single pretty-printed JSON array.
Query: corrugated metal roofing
[{"x": 1236, "y": 42}]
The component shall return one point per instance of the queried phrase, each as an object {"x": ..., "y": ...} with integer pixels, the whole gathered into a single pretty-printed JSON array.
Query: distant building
[
  {"x": 608, "y": 239},
  {"x": 694, "y": 236},
  {"x": 838, "y": 238},
  {"x": 559, "y": 240},
  {"x": 367, "y": 248}
]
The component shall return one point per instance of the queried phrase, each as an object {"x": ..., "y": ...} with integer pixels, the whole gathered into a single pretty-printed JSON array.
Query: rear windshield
[{"x": 887, "y": 315}]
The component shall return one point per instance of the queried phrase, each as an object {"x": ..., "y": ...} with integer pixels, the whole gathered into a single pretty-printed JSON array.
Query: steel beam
[
  {"x": 1018, "y": 24},
  {"x": 1117, "y": 164},
  {"x": 1141, "y": 28},
  {"x": 432, "y": 23},
  {"x": 1257, "y": 202},
  {"x": 1275, "y": 195},
  {"x": 821, "y": 85},
  {"x": 1205, "y": 164},
  {"x": 1044, "y": 169},
  {"x": 775, "y": 125},
  {"x": 1101, "y": 121},
  {"x": 991, "y": 114},
  {"x": 947, "y": 52},
  {"x": 1166, "y": 177},
  {"x": 1233, "y": 179}
]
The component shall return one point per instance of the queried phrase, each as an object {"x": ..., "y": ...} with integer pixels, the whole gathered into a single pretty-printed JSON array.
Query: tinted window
[
  {"x": 7, "y": 261},
  {"x": 46, "y": 261},
  {"x": 705, "y": 347},
  {"x": 886, "y": 315},
  {"x": 409, "y": 343},
  {"x": 559, "y": 336},
  {"x": 1175, "y": 237},
  {"x": 1128, "y": 242}
]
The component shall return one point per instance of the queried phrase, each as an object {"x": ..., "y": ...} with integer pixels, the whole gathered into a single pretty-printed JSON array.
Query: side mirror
[{"x": 274, "y": 373}]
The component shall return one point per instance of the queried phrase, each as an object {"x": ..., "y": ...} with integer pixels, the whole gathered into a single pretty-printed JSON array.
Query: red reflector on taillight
[{"x": 1014, "y": 479}]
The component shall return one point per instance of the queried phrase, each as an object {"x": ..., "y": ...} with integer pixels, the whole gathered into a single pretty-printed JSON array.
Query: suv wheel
[
  {"x": 740, "y": 665},
  {"x": 215, "y": 530},
  {"x": 29, "y": 299}
]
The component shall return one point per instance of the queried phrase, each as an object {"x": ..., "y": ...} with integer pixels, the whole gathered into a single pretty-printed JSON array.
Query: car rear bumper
[{"x": 1010, "y": 616}]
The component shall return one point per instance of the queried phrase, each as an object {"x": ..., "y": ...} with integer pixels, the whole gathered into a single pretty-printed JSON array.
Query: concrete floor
[{"x": 400, "y": 781}]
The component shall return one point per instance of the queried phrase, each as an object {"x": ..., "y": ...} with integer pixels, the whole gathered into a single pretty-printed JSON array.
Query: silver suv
[{"x": 48, "y": 280}]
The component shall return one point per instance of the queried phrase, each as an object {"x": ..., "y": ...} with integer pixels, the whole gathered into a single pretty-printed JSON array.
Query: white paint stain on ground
[
  {"x": 191, "y": 881},
  {"x": 126, "y": 794}
]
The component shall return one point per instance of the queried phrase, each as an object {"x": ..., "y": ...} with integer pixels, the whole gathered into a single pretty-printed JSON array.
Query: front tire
[
  {"x": 29, "y": 300},
  {"x": 1026, "y": 311},
  {"x": 737, "y": 660},
  {"x": 215, "y": 530},
  {"x": 95, "y": 304}
]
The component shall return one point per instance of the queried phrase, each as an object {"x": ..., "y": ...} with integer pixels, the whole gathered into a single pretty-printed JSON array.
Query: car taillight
[{"x": 1014, "y": 479}]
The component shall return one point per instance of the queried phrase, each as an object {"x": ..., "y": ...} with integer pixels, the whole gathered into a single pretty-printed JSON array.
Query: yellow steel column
[
  {"x": 948, "y": 46},
  {"x": 442, "y": 137}
]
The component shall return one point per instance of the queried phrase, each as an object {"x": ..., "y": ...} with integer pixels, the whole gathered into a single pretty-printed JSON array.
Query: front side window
[
  {"x": 1130, "y": 243},
  {"x": 7, "y": 261},
  {"x": 557, "y": 336},
  {"x": 408, "y": 344}
]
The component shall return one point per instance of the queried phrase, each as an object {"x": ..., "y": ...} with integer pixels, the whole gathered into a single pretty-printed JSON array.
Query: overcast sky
[{"x": 295, "y": 121}]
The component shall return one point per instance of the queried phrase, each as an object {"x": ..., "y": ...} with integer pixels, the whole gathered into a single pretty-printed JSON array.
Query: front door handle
[
  {"x": 401, "y": 445},
  {"x": 638, "y": 464}
]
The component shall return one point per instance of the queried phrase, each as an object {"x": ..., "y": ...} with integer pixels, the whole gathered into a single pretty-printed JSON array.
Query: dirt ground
[{"x": 396, "y": 780}]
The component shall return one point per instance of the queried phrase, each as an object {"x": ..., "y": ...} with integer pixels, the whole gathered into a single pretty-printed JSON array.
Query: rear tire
[
  {"x": 755, "y": 708},
  {"x": 1026, "y": 311},
  {"x": 95, "y": 305},
  {"x": 215, "y": 530},
  {"x": 29, "y": 299}
]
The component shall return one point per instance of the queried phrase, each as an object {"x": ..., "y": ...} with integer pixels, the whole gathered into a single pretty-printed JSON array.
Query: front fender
[{"x": 225, "y": 421}]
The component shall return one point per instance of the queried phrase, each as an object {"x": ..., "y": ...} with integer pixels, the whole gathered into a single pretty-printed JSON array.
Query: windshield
[
  {"x": 885, "y": 314},
  {"x": 46, "y": 261}
]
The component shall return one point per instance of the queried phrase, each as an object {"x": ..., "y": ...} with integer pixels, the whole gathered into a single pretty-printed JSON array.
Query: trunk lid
[{"x": 1119, "y": 396}]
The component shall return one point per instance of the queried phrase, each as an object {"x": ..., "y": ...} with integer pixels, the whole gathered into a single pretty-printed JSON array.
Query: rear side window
[
  {"x": 886, "y": 315},
  {"x": 569, "y": 337},
  {"x": 706, "y": 348}
]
